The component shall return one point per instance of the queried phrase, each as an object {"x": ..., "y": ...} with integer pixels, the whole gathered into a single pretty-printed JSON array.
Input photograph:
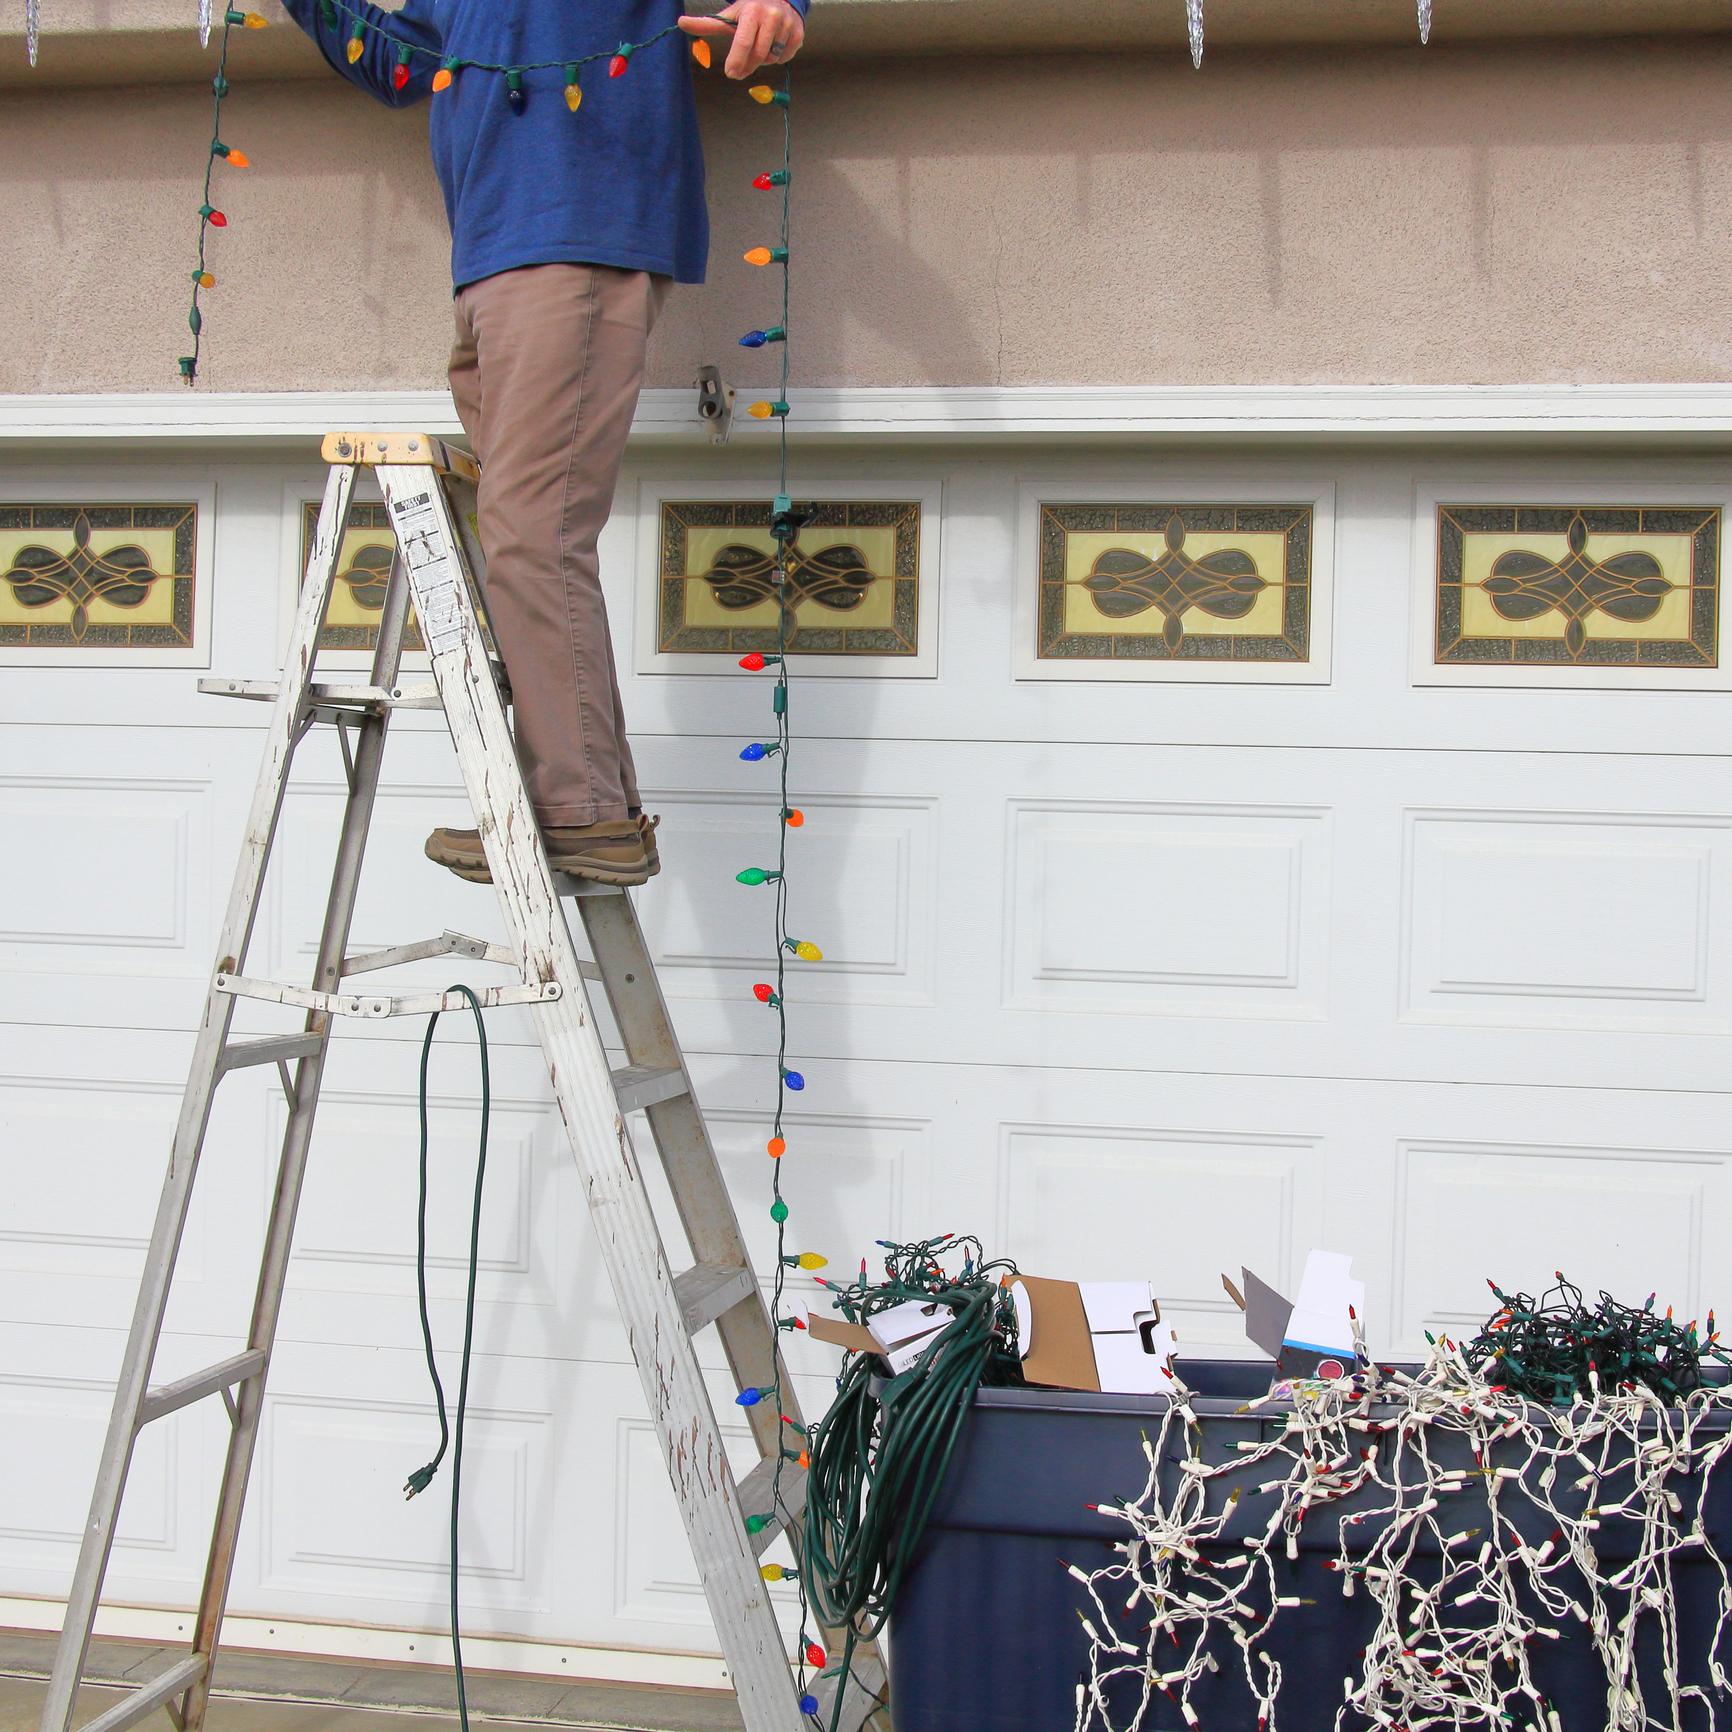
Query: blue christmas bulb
[
  {"x": 793, "y": 1079},
  {"x": 753, "y": 340}
]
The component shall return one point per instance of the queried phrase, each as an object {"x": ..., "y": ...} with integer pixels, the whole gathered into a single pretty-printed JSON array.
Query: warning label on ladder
[{"x": 433, "y": 576}]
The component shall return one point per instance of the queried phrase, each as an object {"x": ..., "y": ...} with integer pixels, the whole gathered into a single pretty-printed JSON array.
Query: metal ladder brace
[{"x": 434, "y": 569}]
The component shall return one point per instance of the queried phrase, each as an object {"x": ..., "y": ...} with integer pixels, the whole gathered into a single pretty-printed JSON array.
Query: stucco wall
[{"x": 1536, "y": 212}]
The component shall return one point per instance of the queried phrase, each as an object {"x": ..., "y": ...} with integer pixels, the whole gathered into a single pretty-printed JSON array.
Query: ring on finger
[{"x": 777, "y": 50}]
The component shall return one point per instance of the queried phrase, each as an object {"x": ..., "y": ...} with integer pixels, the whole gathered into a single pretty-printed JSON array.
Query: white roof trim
[{"x": 1681, "y": 412}]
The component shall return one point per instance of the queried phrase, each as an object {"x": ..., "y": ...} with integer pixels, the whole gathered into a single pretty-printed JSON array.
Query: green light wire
[
  {"x": 219, "y": 89},
  {"x": 451, "y": 64},
  {"x": 451, "y": 1434}
]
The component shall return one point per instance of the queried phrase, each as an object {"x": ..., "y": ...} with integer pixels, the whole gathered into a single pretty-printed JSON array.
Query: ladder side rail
[
  {"x": 707, "y": 1213},
  {"x": 281, "y": 735},
  {"x": 682, "y": 1139},
  {"x": 297, "y": 1139},
  {"x": 625, "y": 1225}
]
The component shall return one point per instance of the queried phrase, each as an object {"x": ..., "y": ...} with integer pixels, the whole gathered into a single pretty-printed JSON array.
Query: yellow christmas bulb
[
  {"x": 759, "y": 411},
  {"x": 701, "y": 54},
  {"x": 254, "y": 22},
  {"x": 355, "y": 48},
  {"x": 811, "y": 1260},
  {"x": 442, "y": 78},
  {"x": 761, "y": 93},
  {"x": 808, "y": 952},
  {"x": 771, "y": 1572},
  {"x": 758, "y": 256},
  {"x": 573, "y": 96}
]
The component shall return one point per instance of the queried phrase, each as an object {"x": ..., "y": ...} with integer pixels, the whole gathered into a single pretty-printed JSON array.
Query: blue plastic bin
[{"x": 985, "y": 1636}]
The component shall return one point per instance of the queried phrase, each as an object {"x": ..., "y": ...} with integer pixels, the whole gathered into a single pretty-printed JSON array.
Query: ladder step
[
  {"x": 270, "y": 1049},
  {"x": 147, "y": 1698},
  {"x": 755, "y": 1493},
  {"x": 225, "y": 1374},
  {"x": 709, "y": 1289},
  {"x": 643, "y": 1085}
]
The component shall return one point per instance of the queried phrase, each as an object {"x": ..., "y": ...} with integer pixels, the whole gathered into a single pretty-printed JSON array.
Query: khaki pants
[{"x": 546, "y": 370}]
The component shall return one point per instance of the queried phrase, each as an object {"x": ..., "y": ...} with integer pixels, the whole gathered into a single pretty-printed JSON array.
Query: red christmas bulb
[
  {"x": 616, "y": 66},
  {"x": 762, "y": 993},
  {"x": 814, "y": 1654},
  {"x": 753, "y": 664},
  {"x": 399, "y": 77},
  {"x": 763, "y": 182}
]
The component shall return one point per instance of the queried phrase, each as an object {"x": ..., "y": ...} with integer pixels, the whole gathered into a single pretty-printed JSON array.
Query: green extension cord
[
  {"x": 879, "y": 1455},
  {"x": 451, "y": 1435}
]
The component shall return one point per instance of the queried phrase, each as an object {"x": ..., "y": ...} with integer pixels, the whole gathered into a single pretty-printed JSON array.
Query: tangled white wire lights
[{"x": 1440, "y": 1470}]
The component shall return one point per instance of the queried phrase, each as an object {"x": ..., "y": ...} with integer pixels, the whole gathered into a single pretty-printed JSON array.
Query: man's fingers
[
  {"x": 759, "y": 30},
  {"x": 701, "y": 24}
]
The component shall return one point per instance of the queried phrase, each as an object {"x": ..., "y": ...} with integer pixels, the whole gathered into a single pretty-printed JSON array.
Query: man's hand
[{"x": 764, "y": 32}]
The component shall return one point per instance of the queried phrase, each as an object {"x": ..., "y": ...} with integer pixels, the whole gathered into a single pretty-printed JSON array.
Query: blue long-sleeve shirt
[{"x": 618, "y": 182}]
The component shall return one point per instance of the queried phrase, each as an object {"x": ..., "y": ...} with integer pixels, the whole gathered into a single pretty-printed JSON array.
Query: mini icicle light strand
[
  {"x": 204, "y": 23},
  {"x": 1194, "y": 31},
  {"x": 1425, "y": 21},
  {"x": 32, "y": 27},
  {"x": 1484, "y": 1529}
]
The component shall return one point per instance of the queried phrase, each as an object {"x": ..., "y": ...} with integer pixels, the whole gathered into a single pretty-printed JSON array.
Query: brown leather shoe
[
  {"x": 459, "y": 851},
  {"x": 612, "y": 851}
]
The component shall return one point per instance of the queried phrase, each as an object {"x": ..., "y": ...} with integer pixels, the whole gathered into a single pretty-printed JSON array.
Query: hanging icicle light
[
  {"x": 1194, "y": 29},
  {"x": 32, "y": 26},
  {"x": 204, "y": 23},
  {"x": 1424, "y": 21}
]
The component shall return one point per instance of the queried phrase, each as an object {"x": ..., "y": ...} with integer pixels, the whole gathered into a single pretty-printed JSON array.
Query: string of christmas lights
[
  {"x": 786, "y": 522},
  {"x": 1465, "y": 1590},
  {"x": 361, "y": 28}
]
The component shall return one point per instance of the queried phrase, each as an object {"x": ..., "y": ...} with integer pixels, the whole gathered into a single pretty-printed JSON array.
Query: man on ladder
[{"x": 567, "y": 231}]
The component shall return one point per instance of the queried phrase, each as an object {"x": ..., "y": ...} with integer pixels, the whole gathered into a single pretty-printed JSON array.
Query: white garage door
[{"x": 1180, "y": 910}]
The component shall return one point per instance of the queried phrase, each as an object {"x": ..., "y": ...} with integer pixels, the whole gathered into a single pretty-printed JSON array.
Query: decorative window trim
[
  {"x": 1151, "y": 485},
  {"x": 301, "y": 489},
  {"x": 661, "y": 487},
  {"x": 120, "y": 485},
  {"x": 1432, "y": 493}
]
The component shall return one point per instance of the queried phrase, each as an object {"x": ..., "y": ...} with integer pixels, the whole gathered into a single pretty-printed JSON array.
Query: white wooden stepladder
[{"x": 434, "y": 569}]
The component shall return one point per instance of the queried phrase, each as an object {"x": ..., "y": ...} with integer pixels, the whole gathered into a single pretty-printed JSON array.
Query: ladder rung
[
  {"x": 323, "y": 695},
  {"x": 709, "y": 1289},
  {"x": 147, "y": 1698},
  {"x": 446, "y": 944},
  {"x": 643, "y": 1085},
  {"x": 269, "y": 1049},
  {"x": 366, "y": 1005},
  {"x": 755, "y": 1492},
  {"x": 225, "y": 1374}
]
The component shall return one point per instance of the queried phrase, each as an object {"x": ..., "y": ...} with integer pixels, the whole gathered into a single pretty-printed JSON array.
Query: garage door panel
[
  {"x": 1126, "y": 907},
  {"x": 1550, "y": 918},
  {"x": 1631, "y": 1220},
  {"x": 1144, "y": 1186}
]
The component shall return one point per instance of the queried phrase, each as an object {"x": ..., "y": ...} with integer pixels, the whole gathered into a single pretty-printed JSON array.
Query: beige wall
[{"x": 1540, "y": 212}]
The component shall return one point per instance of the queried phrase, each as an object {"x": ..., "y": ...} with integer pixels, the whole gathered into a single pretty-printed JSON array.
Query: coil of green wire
[{"x": 879, "y": 1456}]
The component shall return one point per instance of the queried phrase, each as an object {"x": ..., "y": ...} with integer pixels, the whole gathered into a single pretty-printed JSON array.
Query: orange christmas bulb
[
  {"x": 236, "y": 159},
  {"x": 442, "y": 78},
  {"x": 796, "y": 818},
  {"x": 776, "y": 1147},
  {"x": 701, "y": 52}
]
